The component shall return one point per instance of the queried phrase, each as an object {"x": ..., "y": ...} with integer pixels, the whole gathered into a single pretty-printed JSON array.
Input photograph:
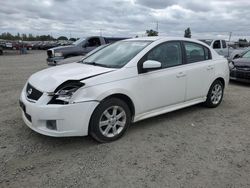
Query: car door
[
  {"x": 165, "y": 86},
  {"x": 200, "y": 70},
  {"x": 225, "y": 51},
  {"x": 218, "y": 47}
]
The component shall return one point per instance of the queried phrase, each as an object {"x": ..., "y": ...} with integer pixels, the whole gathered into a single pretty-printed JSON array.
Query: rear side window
[
  {"x": 224, "y": 45},
  {"x": 196, "y": 52}
]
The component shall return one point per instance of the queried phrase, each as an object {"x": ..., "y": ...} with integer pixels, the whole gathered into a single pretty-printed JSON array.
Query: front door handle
[
  {"x": 210, "y": 67},
  {"x": 180, "y": 74}
]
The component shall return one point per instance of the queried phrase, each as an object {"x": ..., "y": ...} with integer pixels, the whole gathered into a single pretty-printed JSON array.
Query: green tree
[
  {"x": 151, "y": 32},
  {"x": 243, "y": 43},
  {"x": 187, "y": 33},
  {"x": 24, "y": 36},
  {"x": 30, "y": 37},
  {"x": 18, "y": 36},
  {"x": 72, "y": 39},
  {"x": 62, "y": 38}
]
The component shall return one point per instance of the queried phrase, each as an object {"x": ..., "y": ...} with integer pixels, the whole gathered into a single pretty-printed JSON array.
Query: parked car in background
[
  {"x": 1, "y": 50},
  {"x": 240, "y": 67},
  {"x": 78, "y": 58},
  {"x": 124, "y": 82},
  {"x": 237, "y": 53},
  {"x": 80, "y": 47},
  {"x": 220, "y": 46},
  {"x": 8, "y": 45}
]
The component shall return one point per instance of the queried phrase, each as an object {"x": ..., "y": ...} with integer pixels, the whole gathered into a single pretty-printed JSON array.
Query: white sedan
[{"x": 125, "y": 82}]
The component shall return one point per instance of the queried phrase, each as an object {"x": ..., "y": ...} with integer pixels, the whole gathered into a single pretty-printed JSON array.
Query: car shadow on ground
[
  {"x": 238, "y": 83},
  {"x": 87, "y": 141},
  {"x": 148, "y": 123}
]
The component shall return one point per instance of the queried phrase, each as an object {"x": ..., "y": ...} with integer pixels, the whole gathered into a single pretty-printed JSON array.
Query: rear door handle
[{"x": 180, "y": 74}]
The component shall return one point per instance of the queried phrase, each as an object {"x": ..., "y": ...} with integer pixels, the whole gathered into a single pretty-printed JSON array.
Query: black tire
[
  {"x": 1, "y": 52},
  {"x": 209, "y": 102},
  {"x": 96, "y": 132}
]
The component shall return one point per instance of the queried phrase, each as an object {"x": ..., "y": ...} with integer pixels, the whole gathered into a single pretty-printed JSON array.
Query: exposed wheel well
[
  {"x": 221, "y": 80},
  {"x": 126, "y": 99}
]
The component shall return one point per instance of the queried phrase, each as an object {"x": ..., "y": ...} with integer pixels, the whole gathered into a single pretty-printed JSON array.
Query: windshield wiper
[{"x": 95, "y": 64}]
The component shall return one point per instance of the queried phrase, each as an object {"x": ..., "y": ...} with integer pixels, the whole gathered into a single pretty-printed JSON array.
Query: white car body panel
[
  {"x": 57, "y": 75},
  {"x": 152, "y": 93}
]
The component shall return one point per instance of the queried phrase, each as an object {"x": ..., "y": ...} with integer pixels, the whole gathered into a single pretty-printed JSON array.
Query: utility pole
[
  {"x": 101, "y": 32},
  {"x": 157, "y": 26},
  {"x": 230, "y": 34}
]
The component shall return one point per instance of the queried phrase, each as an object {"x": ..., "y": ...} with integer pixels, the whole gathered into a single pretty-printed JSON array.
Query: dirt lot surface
[{"x": 193, "y": 147}]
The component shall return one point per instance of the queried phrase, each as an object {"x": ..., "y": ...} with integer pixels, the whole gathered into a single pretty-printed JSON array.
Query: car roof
[
  {"x": 153, "y": 39},
  {"x": 144, "y": 39}
]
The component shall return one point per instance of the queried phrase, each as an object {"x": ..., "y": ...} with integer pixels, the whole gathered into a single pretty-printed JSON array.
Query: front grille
[
  {"x": 49, "y": 53},
  {"x": 243, "y": 68},
  {"x": 240, "y": 74},
  {"x": 32, "y": 93}
]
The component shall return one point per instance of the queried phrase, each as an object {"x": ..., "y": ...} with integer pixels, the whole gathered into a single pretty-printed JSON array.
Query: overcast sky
[{"x": 80, "y": 18}]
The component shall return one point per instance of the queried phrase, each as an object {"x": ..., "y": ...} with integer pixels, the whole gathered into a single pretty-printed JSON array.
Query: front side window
[
  {"x": 93, "y": 42},
  {"x": 196, "y": 52},
  {"x": 117, "y": 54},
  {"x": 169, "y": 54},
  {"x": 216, "y": 44}
]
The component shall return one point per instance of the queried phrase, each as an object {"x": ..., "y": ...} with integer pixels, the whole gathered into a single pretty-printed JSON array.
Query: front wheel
[
  {"x": 110, "y": 120},
  {"x": 215, "y": 94}
]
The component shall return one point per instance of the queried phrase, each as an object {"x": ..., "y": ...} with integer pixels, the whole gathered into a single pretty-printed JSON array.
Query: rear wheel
[
  {"x": 215, "y": 94},
  {"x": 110, "y": 120}
]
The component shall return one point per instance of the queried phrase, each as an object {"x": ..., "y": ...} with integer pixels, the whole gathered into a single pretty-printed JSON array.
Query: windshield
[
  {"x": 246, "y": 55},
  {"x": 78, "y": 41},
  {"x": 116, "y": 55}
]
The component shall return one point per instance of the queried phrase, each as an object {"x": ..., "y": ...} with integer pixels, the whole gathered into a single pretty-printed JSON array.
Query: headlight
[
  {"x": 58, "y": 54},
  {"x": 64, "y": 92},
  {"x": 231, "y": 65}
]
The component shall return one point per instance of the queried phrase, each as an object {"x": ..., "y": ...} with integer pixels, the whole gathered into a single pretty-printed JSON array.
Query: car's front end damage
[
  {"x": 48, "y": 101},
  {"x": 52, "y": 119},
  {"x": 240, "y": 70}
]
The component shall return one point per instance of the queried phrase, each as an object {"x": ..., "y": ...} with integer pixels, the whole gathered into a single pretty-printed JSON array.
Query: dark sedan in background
[{"x": 240, "y": 67}]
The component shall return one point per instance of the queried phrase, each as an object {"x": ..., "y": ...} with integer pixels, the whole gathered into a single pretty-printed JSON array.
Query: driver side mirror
[{"x": 151, "y": 65}]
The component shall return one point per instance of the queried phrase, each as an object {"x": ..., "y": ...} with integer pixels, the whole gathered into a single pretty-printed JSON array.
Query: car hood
[
  {"x": 62, "y": 48},
  {"x": 242, "y": 62},
  {"x": 49, "y": 79}
]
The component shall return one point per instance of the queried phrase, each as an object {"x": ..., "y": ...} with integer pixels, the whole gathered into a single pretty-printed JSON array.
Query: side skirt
[{"x": 166, "y": 109}]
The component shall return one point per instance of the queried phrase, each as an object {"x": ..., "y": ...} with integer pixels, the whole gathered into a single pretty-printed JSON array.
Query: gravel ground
[{"x": 193, "y": 147}]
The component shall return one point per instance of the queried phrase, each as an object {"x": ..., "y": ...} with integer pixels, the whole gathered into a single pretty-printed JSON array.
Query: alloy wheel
[
  {"x": 216, "y": 94},
  {"x": 112, "y": 121}
]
